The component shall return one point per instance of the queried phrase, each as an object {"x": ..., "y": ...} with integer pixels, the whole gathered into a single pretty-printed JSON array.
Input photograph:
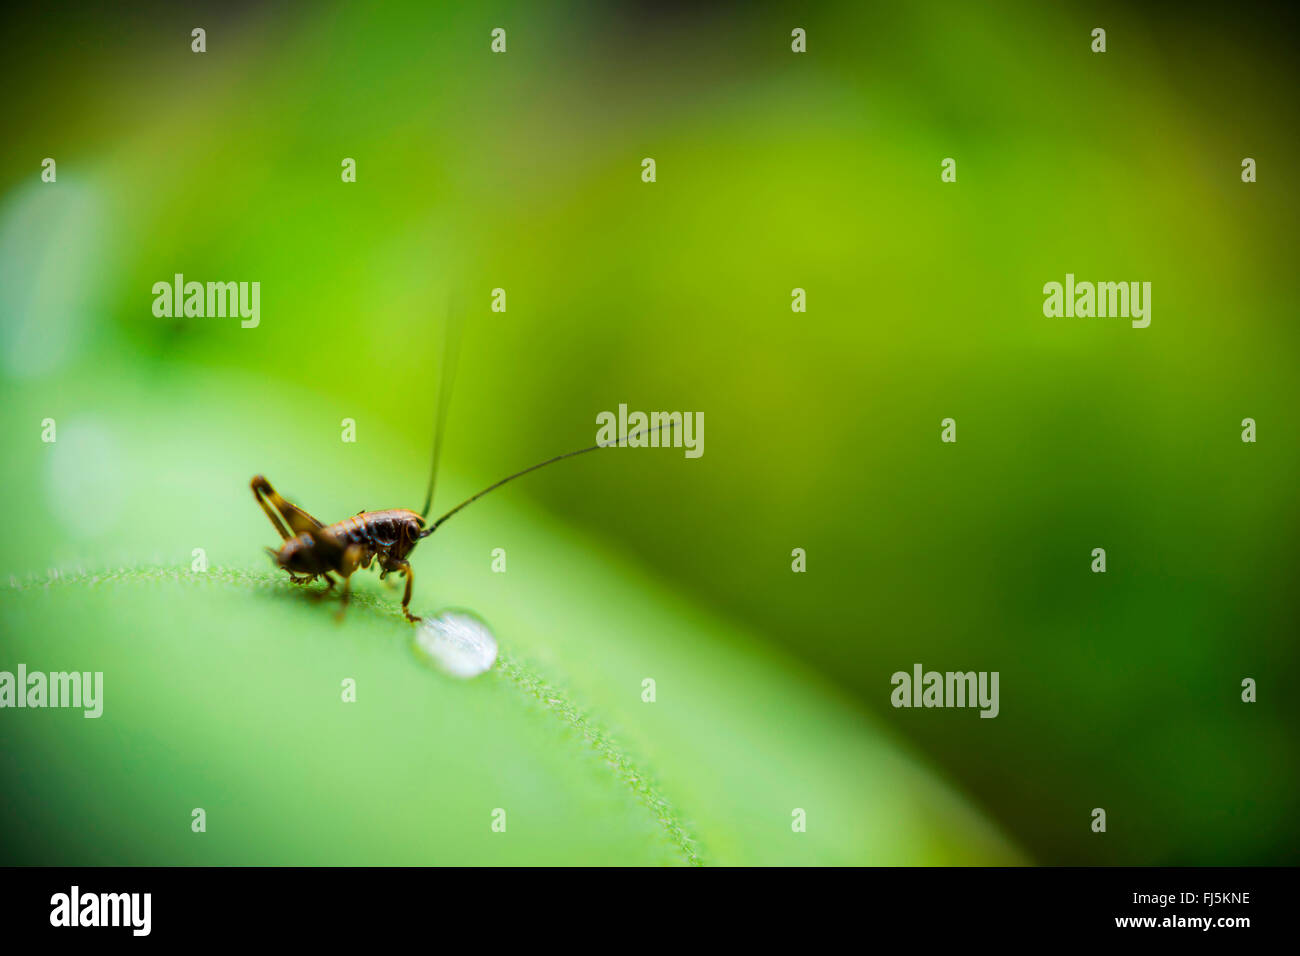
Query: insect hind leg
[{"x": 271, "y": 501}]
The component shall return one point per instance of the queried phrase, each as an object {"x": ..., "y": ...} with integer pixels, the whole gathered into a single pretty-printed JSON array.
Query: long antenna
[
  {"x": 541, "y": 464},
  {"x": 450, "y": 353}
]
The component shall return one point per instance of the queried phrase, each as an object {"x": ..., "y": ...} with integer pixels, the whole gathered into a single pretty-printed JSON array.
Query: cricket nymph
[{"x": 312, "y": 549}]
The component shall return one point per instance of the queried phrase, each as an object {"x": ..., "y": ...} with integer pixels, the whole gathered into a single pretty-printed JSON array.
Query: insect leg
[
  {"x": 346, "y": 596},
  {"x": 297, "y": 519},
  {"x": 270, "y": 513},
  {"x": 405, "y": 569},
  {"x": 352, "y": 556}
]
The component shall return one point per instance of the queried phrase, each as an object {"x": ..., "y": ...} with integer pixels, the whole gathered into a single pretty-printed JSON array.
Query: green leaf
[
  {"x": 223, "y": 688},
  {"x": 223, "y": 691}
]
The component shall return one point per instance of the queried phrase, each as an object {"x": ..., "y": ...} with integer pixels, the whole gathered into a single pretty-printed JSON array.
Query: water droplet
[{"x": 457, "y": 642}]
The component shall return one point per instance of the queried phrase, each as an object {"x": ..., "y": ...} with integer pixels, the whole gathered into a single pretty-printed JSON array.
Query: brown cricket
[{"x": 313, "y": 549}]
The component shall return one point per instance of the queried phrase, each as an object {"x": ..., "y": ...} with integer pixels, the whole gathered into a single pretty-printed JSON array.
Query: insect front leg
[{"x": 405, "y": 568}]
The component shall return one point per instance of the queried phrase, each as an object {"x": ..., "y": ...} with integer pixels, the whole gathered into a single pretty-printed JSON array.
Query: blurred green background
[{"x": 775, "y": 171}]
